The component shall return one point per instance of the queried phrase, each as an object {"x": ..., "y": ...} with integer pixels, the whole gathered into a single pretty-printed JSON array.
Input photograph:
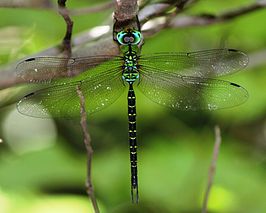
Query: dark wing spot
[
  {"x": 30, "y": 59},
  {"x": 26, "y": 96},
  {"x": 233, "y": 84},
  {"x": 232, "y": 50}
]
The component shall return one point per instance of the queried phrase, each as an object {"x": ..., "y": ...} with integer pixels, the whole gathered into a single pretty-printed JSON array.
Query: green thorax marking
[
  {"x": 129, "y": 40},
  {"x": 130, "y": 68}
]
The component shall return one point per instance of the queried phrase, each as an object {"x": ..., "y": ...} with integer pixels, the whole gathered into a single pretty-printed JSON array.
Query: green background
[{"x": 43, "y": 162}]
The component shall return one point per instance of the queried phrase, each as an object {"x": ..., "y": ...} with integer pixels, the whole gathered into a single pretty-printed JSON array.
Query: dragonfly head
[{"x": 129, "y": 37}]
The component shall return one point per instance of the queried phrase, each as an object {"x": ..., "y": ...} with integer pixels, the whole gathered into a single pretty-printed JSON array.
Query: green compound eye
[
  {"x": 120, "y": 37},
  {"x": 132, "y": 37},
  {"x": 137, "y": 36}
]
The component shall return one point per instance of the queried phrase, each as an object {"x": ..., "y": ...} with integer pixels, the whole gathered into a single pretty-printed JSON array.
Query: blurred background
[{"x": 43, "y": 161}]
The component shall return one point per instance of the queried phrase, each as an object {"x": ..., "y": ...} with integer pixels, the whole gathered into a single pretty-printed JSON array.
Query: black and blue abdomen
[{"x": 132, "y": 133}]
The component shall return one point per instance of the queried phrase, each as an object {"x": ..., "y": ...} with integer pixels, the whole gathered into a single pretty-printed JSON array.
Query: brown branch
[
  {"x": 125, "y": 9},
  {"x": 83, "y": 115},
  {"x": 93, "y": 9},
  {"x": 199, "y": 20},
  {"x": 47, "y": 5},
  {"x": 87, "y": 142},
  {"x": 26, "y": 4},
  {"x": 152, "y": 11},
  {"x": 161, "y": 9},
  {"x": 66, "y": 44},
  {"x": 185, "y": 21},
  {"x": 212, "y": 169}
]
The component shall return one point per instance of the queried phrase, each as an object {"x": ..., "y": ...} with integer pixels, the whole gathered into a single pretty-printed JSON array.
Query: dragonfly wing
[
  {"x": 62, "y": 100},
  {"x": 45, "y": 69},
  {"x": 189, "y": 92},
  {"x": 207, "y": 63}
]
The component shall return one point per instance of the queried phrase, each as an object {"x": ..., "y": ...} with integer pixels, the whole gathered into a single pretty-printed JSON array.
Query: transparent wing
[
  {"x": 45, "y": 69},
  {"x": 207, "y": 63},
  {"x": 100, "y": 89},
  {"x": 190, "y": 93}
]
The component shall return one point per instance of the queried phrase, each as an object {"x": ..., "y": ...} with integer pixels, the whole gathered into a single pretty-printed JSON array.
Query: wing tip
[{"x": 243, "y": 57}]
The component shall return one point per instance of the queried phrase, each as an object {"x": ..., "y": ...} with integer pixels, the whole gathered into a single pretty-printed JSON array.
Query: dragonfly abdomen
[{"x": 132, "y": 134}]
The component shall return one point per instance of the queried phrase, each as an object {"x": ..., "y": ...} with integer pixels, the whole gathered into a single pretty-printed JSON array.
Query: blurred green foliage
[{"x": 175, "y": 148}]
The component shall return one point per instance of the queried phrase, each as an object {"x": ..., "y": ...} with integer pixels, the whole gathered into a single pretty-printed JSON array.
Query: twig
[
  {"x": 87, "y": 142},
  {"x": 66, "y": 45},
  {"x": 47, "y": 5},
  {"x": 93, "y": 9},
  {"x": 26, "y": 4},
  {"x": 197, "y": 20},
  {"x": 83, "y": 115},
  {"x": 162, "y": 9},
  {"x": 186, "y": 21},
  {"x": 212, "y": 168}
]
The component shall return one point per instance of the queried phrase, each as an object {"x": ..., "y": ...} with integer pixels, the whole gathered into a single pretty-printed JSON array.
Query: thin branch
[
  {"x": 186, "y": 21},
  {"x": 87, "y": 142},
  {"x": 26, "y": 4},
  {"x": 212, "y": 169},
  {"x": 260, "y": 4},
  {"x": 197, "y": 20},
  {"x": 66, "y": 44},
  {"x": 83, "y": 115},
  {"x": 47, "y": 5},
  {"x": 93, "y": 9},
  {"x": 162, "y": 9}
]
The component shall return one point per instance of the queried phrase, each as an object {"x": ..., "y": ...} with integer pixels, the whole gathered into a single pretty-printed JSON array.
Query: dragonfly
[{"x": 178, "y": 80}]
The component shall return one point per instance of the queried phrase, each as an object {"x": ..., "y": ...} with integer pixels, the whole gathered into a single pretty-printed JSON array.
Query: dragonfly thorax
[{"x": 130, "y": 67}]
